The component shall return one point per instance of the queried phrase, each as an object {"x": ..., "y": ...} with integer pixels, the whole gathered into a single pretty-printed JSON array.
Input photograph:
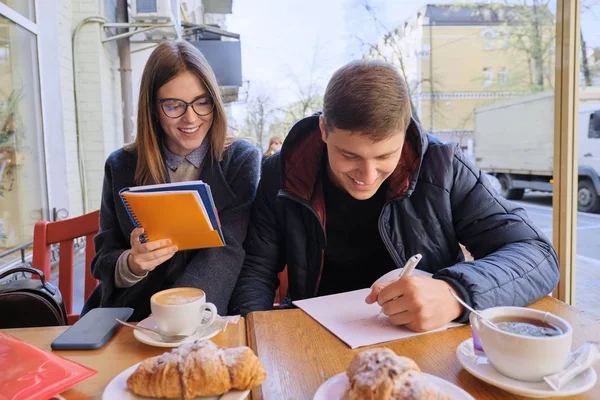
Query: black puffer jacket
[{"x": 436, "y": 200}]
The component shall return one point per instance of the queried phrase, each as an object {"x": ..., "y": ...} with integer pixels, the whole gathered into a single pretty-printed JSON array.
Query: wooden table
[
  {"x": 299, "y": 354},
  {"x": 121, "y": 352}
]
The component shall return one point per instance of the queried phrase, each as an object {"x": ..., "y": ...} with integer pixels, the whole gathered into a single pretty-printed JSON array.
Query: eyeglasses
[{"x": 175, "y": 108}]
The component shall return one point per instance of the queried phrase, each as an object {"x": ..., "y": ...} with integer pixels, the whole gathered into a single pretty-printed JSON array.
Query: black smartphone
[{"x": 93, "y": 330}]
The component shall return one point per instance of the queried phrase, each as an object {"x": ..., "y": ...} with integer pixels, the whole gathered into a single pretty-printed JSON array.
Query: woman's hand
[{"x": 144, "y": 257}]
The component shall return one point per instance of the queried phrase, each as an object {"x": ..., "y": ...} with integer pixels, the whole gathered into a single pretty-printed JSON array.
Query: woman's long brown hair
[
  {"x": 271, "y": 141},
  {"x": 166, "y": 62}
]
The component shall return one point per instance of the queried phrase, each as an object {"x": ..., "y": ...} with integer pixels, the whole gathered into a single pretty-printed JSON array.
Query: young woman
[
  {"x": 275, "y": 144},
  {"x": 181, "y": 136}
]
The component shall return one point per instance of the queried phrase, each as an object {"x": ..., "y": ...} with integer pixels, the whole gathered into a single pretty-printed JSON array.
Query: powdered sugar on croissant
[
  {"x": 197, "y": 369},
  {"x": 381, "y": 374}
]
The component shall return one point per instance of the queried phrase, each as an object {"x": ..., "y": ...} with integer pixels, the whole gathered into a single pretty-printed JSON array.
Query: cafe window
[
  {"x": 594, "y": 130},
  {"x": 23, "y": 194},
  {"x": 583, "y": 276}
]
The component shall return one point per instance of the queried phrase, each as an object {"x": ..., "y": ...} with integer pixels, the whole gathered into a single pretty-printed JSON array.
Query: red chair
[
  {"x": 64, "y": 233},
  {"x": 281, "y": 292}
]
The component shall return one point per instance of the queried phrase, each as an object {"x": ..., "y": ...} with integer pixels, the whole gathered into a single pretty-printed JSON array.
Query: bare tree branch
[
  {"x": 587, "y": 6},
  {"x": 530, "y": 27},
  {"x": 258, "y": 118},
  {"x": 588, "y": 71},
  {"x": 307, "y": 93},
  {"x": 390, "y": 37}
]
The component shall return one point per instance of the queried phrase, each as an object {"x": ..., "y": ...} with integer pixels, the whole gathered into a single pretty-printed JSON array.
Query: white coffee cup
[
  {"x": 525, "y": 358},
  {"x": 180, "y": 311}
]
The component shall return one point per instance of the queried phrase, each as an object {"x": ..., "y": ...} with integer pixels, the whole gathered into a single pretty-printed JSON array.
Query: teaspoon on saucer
[{"x": 164, "y": 338}]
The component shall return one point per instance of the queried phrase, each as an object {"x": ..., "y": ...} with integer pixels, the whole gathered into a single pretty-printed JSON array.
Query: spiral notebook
[{"x": 184, "y": 212}]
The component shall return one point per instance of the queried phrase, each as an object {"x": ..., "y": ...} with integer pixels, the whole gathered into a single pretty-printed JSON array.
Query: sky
[{"x": 290, "y": 42}]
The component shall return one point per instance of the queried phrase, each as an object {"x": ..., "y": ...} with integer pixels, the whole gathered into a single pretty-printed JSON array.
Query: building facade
[
  {"x": 61, "y": 106},
  {"x": 459, "y": 57}
]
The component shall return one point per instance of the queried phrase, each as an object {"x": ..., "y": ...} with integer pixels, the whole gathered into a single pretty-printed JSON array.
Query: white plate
[
  {"x": 152, "y": 340},
  {"x": 117, "y": 390},
  {"x": 480, "y": 367},
  {"x": 334, "y": 388}
]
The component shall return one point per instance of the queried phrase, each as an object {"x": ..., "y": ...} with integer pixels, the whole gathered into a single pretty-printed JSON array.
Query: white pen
[{"x": 409, "y": 267}]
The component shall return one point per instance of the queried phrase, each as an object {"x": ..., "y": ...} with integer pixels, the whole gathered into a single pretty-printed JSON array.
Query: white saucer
[
  {"x": 334, "y": 388},
  {"x": 117, "y": 389},
  {"x": 480, "y": 367},
  {"x": 201, "y": 334}
]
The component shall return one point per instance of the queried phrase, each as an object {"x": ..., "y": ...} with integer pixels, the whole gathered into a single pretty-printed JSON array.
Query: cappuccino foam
[{"x": 172, "y": 298}]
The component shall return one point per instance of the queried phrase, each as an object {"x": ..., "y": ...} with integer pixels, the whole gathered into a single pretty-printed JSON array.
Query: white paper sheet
[{"x": 355, "y": 322}]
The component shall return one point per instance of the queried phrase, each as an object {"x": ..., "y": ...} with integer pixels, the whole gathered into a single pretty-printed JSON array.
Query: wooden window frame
[{"x": 566, "y": 105}]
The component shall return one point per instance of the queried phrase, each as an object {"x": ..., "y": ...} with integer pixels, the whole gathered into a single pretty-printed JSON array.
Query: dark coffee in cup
[
  {"x": 526, "y": 326},
  {"x": 516, "y": 353}
]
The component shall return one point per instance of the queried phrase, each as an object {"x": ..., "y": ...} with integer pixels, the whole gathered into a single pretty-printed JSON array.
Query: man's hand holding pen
[{"x": 419, "y": 303}]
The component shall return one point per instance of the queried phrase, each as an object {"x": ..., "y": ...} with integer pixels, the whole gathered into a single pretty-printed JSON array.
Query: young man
[{"x": 359, "y": 189}]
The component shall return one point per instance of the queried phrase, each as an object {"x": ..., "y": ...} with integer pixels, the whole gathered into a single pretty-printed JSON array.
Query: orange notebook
[{"x": 180, "y": 215}]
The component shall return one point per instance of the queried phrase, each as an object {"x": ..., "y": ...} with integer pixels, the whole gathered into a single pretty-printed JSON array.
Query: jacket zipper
[
  {"x": 385, "y": 238},
  {"x": 304, "y": 203}
]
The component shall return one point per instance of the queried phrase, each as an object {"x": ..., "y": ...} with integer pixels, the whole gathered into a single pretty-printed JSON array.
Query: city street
[
  {"x": 587, "y": 293},
  {"x": 539, "y": 209}
]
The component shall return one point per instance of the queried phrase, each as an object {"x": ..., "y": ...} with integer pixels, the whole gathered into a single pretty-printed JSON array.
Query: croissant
[
  {"x": 380, "y": 374},
  {"x": 197, "y": 369}
]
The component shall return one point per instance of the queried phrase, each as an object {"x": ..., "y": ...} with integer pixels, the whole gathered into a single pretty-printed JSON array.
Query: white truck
[{"x": 514, "y": 141}]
